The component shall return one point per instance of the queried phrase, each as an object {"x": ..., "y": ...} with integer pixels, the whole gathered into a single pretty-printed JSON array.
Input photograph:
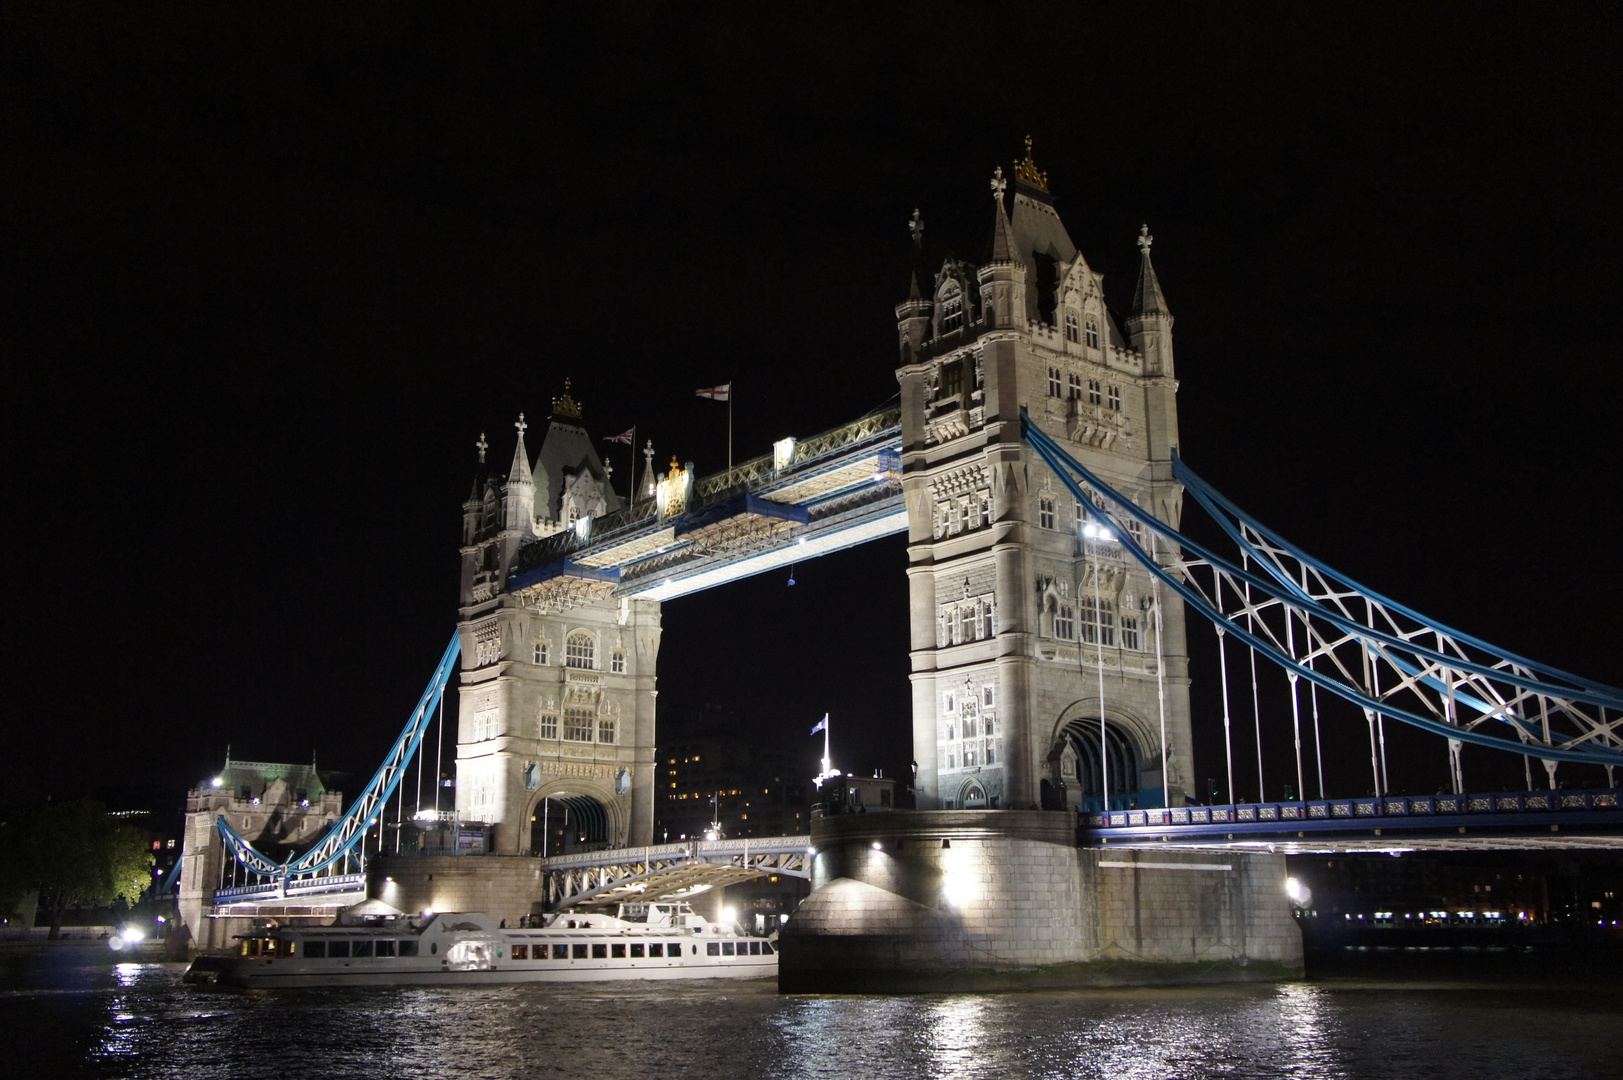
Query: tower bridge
[{"x": 1032, "y": 458}]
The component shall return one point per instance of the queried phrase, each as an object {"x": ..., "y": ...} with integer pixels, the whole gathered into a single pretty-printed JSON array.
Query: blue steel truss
[
  {"x": 349, "y": 831},
  {"x": 1322, "y": 627}
]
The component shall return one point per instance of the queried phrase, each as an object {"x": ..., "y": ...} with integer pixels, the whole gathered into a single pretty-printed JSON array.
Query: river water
[{"x": 76, "y": 1015}]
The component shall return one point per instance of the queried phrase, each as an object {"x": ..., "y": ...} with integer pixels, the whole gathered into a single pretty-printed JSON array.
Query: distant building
[
  {"x": 856, "y": 795},
  {"x": 749, "y": 789}
]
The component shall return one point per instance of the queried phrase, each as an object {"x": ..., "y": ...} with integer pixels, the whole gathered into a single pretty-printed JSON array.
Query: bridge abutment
[
  {"x": 1005, "y": 900},
  {"x": 505, "y": 887}
]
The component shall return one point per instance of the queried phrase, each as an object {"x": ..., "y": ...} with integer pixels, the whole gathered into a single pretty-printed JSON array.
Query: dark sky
[{"x": 268, "y": 273}]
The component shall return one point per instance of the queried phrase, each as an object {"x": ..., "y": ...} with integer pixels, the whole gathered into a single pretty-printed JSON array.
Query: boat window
[
  {"x": 434, "y": 948},
  {"x": 656, "y": 948},
  {"x": 755, "y": 948},
  {"x": 338, "y": 948},
  {"x": 360, "y": 948},
  {"x": 618, "y": 951},
  {"x": 712, "y": 948},
  {"x": 636, "y": 951},
  {"x": 560, "y": 951},
  {"x": 727, "y": 948},
  {"x": 315, "y": 950},
  {"x": 385, "y": 948},
  {"x": 521, "y": 952},
  {"x": 600, "y": 952},
  {"x": 675, "y": 949},
  {"x": 579, "y": 952},
  {"x": 408, "y": 948}
]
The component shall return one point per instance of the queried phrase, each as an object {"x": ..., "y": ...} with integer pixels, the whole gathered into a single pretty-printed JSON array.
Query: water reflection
[{"x": 139, "y": 1021}]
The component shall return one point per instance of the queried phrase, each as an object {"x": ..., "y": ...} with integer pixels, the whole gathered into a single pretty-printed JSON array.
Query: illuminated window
[
  {"x": 538, "y": 653},
  {"x": 1073, "y": 328},
  {"x": 969, "y": 758},
  {"x": 952, "y": 379},
  {"x": 1045, "y": 511},
  {"x": 580, "y": 650},
  {"x": 617, "y": 662}
]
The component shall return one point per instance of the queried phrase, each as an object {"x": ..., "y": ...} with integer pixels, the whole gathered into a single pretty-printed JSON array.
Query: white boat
[{"x": 641, "y": 941}]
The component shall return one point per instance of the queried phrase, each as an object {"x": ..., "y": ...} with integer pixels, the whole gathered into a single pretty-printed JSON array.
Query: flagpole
[
  {"x": 631, "y": 488},
  {"x": 826, "y": 765},
  {"x": 729, "y": 425}
]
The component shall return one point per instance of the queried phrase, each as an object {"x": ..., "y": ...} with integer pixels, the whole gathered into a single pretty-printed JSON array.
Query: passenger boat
[{"x": 640, "y": 941}]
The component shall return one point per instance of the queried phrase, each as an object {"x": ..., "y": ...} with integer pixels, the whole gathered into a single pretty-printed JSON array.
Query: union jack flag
[{"x": 627, "y": 437}]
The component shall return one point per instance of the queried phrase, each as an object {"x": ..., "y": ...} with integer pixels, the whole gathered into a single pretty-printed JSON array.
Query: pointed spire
[
  {"x": 915, "y": 228},
  {"x": 1002, "y": 234},
  {"x": 520, "y": 472},
  {"x": 1147, "y": 298}
]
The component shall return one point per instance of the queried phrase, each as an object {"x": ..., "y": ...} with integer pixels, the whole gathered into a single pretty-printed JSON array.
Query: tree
[{"x": 76, "y": 855}]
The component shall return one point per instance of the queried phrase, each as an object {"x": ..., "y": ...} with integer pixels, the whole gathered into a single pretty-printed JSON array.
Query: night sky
[{"x": 268, "y": 274}]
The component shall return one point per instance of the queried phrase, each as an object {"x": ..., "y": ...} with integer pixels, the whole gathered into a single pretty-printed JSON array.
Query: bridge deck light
[{"x": 877, "y": 846}]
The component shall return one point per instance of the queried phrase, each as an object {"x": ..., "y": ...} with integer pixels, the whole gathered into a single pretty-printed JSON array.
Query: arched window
[
  {"x": 1073, "y": 331},
  {"x": 580, "y": 650},
  {"x": 538, "y": 653},
  {"x": 1093, "y": 334},
  {"x": 617, "y": 662}
]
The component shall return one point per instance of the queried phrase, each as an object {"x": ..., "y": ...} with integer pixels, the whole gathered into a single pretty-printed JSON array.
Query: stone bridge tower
[
  {"x": 556, "y": 709},
  {"x": 1006, "y": 637}
]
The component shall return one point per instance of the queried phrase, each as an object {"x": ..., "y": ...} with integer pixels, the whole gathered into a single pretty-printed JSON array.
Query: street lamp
[{"x": 546, "y": 807}]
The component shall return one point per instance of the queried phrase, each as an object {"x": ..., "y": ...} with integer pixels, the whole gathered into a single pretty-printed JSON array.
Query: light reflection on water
[{"x": 139, "y": 1021}]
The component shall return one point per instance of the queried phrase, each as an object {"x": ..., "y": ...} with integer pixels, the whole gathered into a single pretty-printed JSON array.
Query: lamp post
[{"x": 546, "y": 808}]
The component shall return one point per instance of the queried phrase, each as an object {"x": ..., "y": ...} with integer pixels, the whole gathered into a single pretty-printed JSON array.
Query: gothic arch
[
  {"x": 593, "y": 817},
  {"x": 1130, "y": 745}
]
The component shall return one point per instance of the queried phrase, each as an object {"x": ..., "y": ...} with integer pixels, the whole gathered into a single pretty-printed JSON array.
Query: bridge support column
[{"x": 975, "y": 900}]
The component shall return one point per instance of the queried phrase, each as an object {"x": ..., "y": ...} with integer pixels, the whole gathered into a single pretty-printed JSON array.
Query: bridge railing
[
  {"x": 693, "y": 849},
  {"x": 335, "y": 883},
  {"x": 1368, "y": 811}
]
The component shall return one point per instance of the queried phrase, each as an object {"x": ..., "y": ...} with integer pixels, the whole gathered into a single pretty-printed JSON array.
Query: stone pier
[
  {"x": 505, "y": 887},
  {"x": 1005, "y": 900}
]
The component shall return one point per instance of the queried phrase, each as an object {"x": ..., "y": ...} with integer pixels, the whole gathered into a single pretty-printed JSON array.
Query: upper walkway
[{"x": 808, "y": 497}]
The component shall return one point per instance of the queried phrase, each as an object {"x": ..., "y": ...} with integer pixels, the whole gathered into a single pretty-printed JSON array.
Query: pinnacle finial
[
  {"x": 916, "y": 229},
  {"x": 566, "y": 405},
  {"x": 1028, "y": 174},
  {"x": 521, "y": 425},
  {"x": 482, "y": 446},
  {"x": 998, "y": 183},
  {"x": 1145, "y": 239}
]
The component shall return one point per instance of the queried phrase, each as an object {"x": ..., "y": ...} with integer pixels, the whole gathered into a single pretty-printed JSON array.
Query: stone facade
[
  {"x": 978, "y": 900},
  {"x": 505, "y": 888},
  {"x": 1010, "y": 600},
  {"x": 556, "y": 698}
]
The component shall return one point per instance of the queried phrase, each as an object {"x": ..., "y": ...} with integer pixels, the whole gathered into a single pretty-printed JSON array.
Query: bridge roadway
[
  {"x": 809, "y": 497},
  {"x": 1503, "y": 821}
]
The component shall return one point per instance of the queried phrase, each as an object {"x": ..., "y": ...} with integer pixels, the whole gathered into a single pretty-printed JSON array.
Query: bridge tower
[
  {"x": 556, "y": 700},
  {"x": 1014, "y": 602}
]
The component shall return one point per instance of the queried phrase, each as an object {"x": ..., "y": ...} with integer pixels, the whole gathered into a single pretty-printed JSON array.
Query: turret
[
  {"x": 1149, "y": 323},
  {"x": 913, "y": 314},
  {"x": 1003, "y": 278}
]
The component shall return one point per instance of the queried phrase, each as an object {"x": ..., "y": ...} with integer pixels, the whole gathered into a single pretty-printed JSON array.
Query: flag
[
  {"x": 716, "y": 393},
  {"x": 627, "y": 437},
  {"x": 822, "y": 725}
]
